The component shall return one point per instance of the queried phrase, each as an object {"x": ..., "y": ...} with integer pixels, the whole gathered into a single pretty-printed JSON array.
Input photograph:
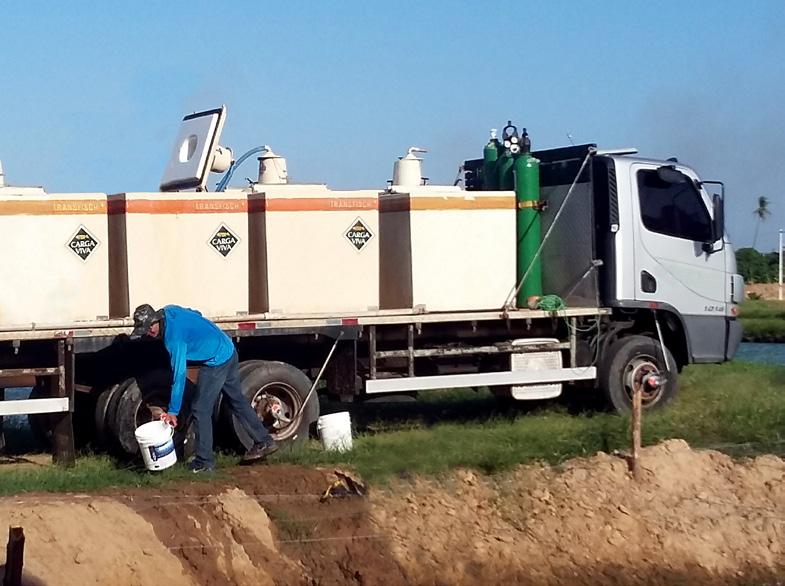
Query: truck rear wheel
[
  {"x": 106, "y": 403},
  {"x": 637, "y": 362},
  {"x": 143, "y": 399},
  {"x": 276, "y": 386}
]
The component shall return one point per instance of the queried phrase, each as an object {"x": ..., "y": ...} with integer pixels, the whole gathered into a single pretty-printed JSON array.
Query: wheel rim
[
  {"x": 285, "y": 400},
  {"x": 643, "y": 372}
]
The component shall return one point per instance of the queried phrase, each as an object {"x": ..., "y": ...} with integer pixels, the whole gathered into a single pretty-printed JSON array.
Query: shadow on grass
[{"x": 459, "y": 406}]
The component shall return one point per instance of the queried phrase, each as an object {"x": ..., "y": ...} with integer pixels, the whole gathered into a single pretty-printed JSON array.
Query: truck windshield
[{"x": 673, "y": 209}]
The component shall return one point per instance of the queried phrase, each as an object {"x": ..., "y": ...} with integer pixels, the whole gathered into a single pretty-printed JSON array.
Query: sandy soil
[
  {"x": 693, "y": 517},
  {"x": 765, "y": 290}
]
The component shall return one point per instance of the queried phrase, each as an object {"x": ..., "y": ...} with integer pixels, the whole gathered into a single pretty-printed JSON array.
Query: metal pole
[
  {"x": 780, "y": 266},
  {"x": 321, "y": 372}
]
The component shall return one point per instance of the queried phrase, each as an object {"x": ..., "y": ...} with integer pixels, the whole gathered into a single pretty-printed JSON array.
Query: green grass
[
  {"x": 764, "y": 329},
  {"x": 735, "y": 403},
  {"x": 91, "y": 473},
  {"x": 764, "y": 321},
  {"x": 759, "y": 308},
  {"x": 720, "y": 406}
]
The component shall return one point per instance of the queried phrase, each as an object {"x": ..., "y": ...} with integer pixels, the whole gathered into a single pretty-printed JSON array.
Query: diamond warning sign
[
  {"x": 224, "y": 240},
  {"x": 358, "y": 234},
  {"x": 83, "y": 243}
]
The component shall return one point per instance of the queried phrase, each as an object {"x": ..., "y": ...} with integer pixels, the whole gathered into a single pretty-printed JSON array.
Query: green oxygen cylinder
[
  {"x": 490, "y": 154},
  {"x": 504, "y": 170},
  {"x": 527, "y": 196}
]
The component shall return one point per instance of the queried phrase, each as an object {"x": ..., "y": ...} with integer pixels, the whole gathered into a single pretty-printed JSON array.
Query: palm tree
[{"x": 762, "y": 212}]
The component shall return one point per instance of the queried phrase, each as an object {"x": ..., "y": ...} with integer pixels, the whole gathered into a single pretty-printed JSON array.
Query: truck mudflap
[{"x": 733, "y": 339}]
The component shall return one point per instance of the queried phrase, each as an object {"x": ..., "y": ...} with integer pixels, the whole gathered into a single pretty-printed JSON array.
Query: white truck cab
[{"x": 670, "y": 252}]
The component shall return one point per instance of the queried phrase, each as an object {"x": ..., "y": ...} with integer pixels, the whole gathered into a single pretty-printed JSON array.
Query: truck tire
[
  {"x": 106, "y": 402},
  {"x": 134, "y": 404},
  {"x": 629, "y": 362},
  {"x": 282, "y": 383}
]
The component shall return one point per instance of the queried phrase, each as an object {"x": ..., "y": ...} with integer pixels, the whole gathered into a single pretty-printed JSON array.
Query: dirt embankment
[
  {"x": 768, "y": 291},
  {"x": 694, "y": 518}
]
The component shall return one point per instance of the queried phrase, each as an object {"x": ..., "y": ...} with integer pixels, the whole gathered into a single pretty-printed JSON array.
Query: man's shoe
[
  {"x": 199, "y": 468},
  {"x": 260, "y": 451}
]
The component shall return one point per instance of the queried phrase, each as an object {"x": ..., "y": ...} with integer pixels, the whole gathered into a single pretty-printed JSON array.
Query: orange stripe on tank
[
  {"x": 177, "y": 206},
  {"x": 312, "y": 204},
  {"x": 55, "y": 207},
  {"x": 405, "y": 203},
  {"x": 174, "y": 206}
]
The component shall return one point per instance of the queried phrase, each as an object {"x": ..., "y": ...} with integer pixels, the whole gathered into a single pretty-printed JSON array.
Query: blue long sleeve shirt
[{"x": 189, "y": 337}]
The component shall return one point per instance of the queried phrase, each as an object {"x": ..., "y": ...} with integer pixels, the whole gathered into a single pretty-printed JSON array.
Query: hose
[
  {"x": 222, "y": 184},
  {"x": 551, "y": 303}
]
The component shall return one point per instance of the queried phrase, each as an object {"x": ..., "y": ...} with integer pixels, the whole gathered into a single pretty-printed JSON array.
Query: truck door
[{"x": 677, "y": 260}]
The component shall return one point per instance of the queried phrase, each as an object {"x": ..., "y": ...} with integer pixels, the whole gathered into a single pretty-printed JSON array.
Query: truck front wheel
[{"x": 638, "y": 362}]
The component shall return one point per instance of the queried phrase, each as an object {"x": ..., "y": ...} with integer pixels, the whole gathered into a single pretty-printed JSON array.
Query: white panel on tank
[
  {"x": 193, "y": 151},
  {"x": 191, "y": 250},
  {"x": 446, "y": 249},
  {"x": 55, "y": 257}
]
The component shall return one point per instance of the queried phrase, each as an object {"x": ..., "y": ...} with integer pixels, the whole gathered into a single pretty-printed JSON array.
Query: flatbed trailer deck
[{"x": 379, "y": 352}]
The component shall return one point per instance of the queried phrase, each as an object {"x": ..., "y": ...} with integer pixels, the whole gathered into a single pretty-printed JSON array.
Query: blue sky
[{"x": 93, "y": 92}]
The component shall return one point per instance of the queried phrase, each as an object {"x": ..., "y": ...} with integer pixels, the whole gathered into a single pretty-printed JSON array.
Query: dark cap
[{"x": 144, "y": 317}]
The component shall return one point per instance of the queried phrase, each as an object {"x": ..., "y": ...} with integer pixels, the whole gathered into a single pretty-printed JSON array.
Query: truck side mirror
[{"x": 717, "y": 225}]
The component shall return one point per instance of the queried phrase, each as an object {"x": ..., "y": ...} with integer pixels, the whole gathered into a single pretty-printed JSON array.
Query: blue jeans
[{"x": 213, "y": 379}]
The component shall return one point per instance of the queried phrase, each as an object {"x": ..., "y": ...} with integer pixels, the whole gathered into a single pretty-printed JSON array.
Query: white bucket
[
  {"x": 156, "y": 442},
  {"x": 336, "y": 431}
]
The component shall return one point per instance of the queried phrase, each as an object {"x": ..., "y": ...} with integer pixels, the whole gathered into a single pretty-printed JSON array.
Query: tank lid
[
  {"x": 410, "y": 156},
  {"x": 268, "y": 153}
]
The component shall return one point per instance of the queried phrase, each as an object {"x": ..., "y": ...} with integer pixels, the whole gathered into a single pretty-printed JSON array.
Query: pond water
[
  {"x": 16, "y": 421},
  {"x": 761, "y": 353}
]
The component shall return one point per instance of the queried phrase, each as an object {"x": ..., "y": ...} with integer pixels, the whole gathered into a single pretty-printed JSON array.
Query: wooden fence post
[
  {"x": 15, "y": 557},
  {"x": 636, "y": 429}
]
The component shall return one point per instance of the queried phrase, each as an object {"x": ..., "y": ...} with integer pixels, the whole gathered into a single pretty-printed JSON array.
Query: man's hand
[{"x": 169, "y": 418}]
